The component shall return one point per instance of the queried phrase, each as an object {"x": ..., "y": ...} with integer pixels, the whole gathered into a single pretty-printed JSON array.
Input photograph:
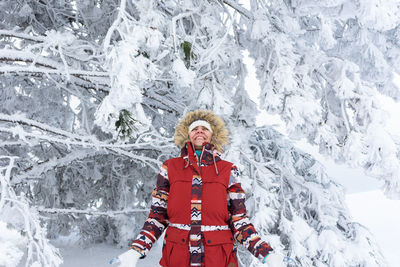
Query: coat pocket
[
  {"x": 218, "y": 249},
  {"x": 176, "y": 249},
  {"x": 180, "y": 194}
]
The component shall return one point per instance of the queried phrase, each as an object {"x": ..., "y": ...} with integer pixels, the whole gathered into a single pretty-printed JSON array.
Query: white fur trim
[{"x": 200, "y": 123}]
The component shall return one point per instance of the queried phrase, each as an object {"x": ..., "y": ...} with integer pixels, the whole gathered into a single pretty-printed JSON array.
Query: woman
[{"x": 200, "y": 202}]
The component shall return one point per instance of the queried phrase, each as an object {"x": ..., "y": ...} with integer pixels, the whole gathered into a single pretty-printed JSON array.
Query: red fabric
[
  {"x": 175, "y": 251},
  {"x": 214, "y": 198},
  {"x": 218, "y": 245}
]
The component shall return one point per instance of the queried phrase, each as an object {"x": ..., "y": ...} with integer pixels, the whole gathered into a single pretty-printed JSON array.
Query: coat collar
[{"x": 208, "y": 155}]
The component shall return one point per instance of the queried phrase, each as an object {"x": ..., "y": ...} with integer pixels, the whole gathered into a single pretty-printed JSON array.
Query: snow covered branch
[
  {"x": 36, "y": 70},
  {"x": 16, "y": 212},
  {"x": 69, "y": 138},
  {"x": 108, "y": 213},
  {"x": 25, "y": 36},
  {"x": 26, "y": 63},
  {"x": 239, "y": 9},
  {"x": 21, "y": 119},
  {"x": 36, "y": 171},
  {"x": 114, "y": 26}
]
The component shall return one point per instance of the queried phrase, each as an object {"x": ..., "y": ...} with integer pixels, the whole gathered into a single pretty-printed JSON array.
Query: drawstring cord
[
  {"x": 187, "y": 164},
  {"x": 215, "y": 165}
]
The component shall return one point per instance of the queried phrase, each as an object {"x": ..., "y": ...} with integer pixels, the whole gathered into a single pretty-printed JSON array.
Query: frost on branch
[
  {"x": 184, "y": 77},
  {"x": 322, "y": 67},
  {"x": 131, "y": 69},
  {"x": 22, "y": 231},
  {"x": 12, "y": 246}
]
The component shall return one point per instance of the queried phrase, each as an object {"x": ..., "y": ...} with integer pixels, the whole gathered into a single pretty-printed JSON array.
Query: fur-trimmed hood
[{"x": 220, "y": 136}]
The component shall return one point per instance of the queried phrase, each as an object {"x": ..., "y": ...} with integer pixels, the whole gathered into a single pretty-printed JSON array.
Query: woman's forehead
[{"x": 201, "y": 127}]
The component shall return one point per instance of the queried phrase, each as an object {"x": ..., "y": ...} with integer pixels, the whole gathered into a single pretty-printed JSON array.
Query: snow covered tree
[
  {"x": 91, "y": 92},
  {"x": 322, "y": 66}
]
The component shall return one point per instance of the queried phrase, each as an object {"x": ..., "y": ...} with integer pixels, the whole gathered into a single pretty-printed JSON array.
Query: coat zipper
[{"x": 199, "y": 163}]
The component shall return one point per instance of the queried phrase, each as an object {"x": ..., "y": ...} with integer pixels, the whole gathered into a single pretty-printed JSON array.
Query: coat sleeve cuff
[
  {"x": 264, "y": 254},
  {"x": 263, "y": 261},
  {"x": 142, "y": 255}
]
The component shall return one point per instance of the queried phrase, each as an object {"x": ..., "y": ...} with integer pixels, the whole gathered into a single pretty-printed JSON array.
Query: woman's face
[{"x": 199, "y": 135}]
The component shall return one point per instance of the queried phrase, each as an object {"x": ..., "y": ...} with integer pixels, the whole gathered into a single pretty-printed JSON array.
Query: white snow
[
  {"x": 11, "y": 246},
  {"x": 100, "y": 255},
  {"x": 382, "y": 217},
  {"x": 184, "y": 76}
]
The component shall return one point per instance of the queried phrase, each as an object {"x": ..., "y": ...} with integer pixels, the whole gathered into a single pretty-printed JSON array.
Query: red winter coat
[{"x": 203, "y": 210}]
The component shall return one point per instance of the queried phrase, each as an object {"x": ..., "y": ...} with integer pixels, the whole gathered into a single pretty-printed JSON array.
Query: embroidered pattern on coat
[
  {"x": 196, "y": 248},
  {"x": 157, "y": 220},
  {"x": 204, "y": 228}
]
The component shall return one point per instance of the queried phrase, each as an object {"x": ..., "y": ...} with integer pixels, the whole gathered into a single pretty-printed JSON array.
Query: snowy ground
[
  {"x": 371, "y": 208},
  {"x": 382, "y": 217},
  {"x": 100, "y": 255}
]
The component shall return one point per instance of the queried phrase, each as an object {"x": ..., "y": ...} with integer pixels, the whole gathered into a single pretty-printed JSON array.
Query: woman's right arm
[{"x": 157, "y": 220}]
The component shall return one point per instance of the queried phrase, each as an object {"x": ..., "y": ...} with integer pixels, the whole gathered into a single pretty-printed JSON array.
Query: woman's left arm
[{"x": 243, "y": 231}]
